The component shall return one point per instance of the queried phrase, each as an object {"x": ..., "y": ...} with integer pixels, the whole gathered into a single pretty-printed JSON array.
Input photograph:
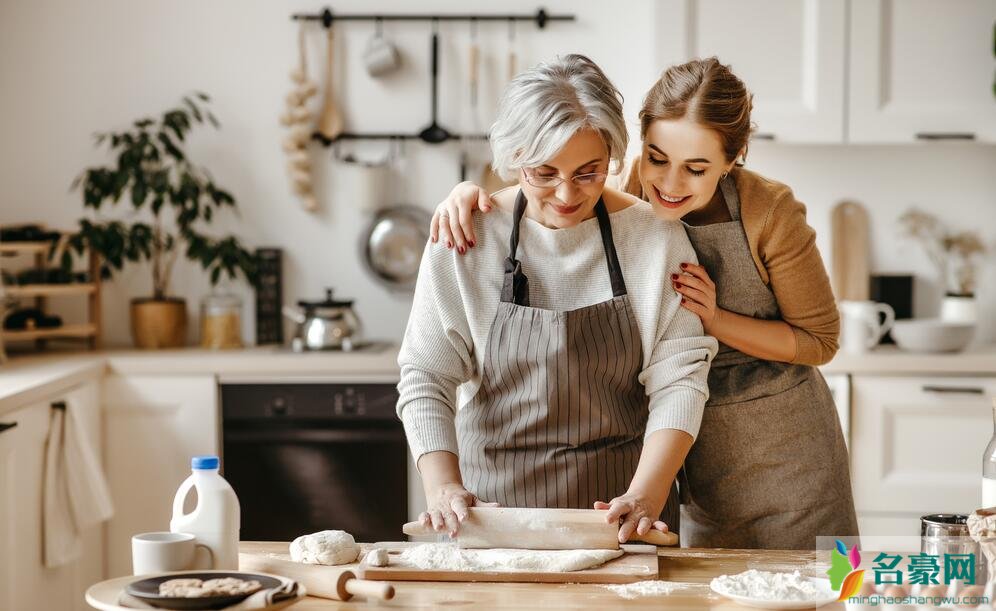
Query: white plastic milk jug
[{"x": 215, "y": 520}]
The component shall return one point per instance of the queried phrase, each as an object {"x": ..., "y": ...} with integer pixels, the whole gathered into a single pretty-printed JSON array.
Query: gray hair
[{"x": 543, "y": 107}]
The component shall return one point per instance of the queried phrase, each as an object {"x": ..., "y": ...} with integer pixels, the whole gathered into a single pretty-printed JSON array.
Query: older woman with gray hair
[{"x": 548, "y": 367}]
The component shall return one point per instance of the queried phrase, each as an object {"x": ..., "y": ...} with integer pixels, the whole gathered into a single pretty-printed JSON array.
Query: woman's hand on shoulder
[{"x": 452, "y": 223}]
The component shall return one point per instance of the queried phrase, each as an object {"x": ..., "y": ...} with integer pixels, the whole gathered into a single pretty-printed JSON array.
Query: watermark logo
[{"x": 845, "y": 576}]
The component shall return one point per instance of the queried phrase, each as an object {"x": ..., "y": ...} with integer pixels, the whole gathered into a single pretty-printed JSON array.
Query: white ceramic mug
[
  {"x": 862, "y": 325},
  {"x": 162, "y": 552},
  {"x": 381, "y": 56}
]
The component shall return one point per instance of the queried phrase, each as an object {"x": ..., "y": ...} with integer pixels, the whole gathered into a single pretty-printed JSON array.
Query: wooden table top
[{"x": 691, "y": 570}]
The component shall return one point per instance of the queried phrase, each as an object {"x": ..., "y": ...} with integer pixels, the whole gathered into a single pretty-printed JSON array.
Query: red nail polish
[
  {"x": 674, "y": 276},
  {"x": 449, "y": 244},
  {"x": 682, "y": 301},
  {"x": 461, "y": 250},
  {"x": 472, "y": 244},
  {"x": 684, "y": 265}
]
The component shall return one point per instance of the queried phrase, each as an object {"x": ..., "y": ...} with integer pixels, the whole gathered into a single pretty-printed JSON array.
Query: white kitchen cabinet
[
  {"x": 789, "y": 53},
  {"x": 153, "y": 425},
  {"x": 857, "y": 71},
  {"x": 921, "y": 69},
  {"x": 25, "y": 583},
  {"x": 917, "y": 446}
]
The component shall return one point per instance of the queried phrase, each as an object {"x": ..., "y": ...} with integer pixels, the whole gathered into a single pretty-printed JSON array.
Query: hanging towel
[{"x": 76, "y": 493}]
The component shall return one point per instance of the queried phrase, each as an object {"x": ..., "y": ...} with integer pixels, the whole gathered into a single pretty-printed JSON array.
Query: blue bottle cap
[{"x": 204, "y": 462}]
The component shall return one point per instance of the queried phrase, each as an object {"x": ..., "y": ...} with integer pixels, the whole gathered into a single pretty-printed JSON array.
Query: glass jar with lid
[{"x": 221, "y": 321}]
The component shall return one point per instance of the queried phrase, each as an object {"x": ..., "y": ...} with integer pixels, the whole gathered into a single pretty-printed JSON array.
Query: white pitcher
[
  {"x": 216, "y": 519},
  {"x": 862, "y": 326}
]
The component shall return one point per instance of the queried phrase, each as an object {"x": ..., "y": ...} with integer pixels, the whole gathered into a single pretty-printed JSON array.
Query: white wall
[{"x": 68, "y": 69}]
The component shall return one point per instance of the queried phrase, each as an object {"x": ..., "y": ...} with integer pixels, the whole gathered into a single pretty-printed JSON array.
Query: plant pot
[
  {"x": 159, "y": 323},
  {"x": 959, "y": 308}
]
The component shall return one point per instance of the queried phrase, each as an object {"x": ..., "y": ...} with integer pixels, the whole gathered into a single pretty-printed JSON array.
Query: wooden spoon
[{"x": 330, "y": 123}]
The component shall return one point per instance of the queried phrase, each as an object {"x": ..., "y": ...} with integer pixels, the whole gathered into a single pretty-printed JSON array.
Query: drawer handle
[
  {"x": 968, "y": 390},
  {"x": 59, "y": 405},
  {"x": 945, "y": 136},
  {"x": 7, "y": 426}
]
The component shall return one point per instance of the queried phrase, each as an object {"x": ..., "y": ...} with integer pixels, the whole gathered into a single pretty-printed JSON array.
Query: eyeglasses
[{"x": 552, "y": 182}]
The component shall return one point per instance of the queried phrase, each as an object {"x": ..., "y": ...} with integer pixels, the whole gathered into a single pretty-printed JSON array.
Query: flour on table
[
  {"x": 645, "y": 588},
  {"x": 769, "y": 586},
  {"x": 325, "y": 547},
  {"x": 449, "y": 557}
]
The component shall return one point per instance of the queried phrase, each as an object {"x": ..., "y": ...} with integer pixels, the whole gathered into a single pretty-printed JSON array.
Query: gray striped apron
[
  {"x": 769, "y": 468},
  {"x": 559, "y": 418}
]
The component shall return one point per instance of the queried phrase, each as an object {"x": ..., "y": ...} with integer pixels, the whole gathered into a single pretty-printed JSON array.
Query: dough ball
[
  {"x": 325, "y": 547},
  {"x": 376, "y": 557}
]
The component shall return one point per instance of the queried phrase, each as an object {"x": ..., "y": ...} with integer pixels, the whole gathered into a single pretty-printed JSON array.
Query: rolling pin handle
[
  {"x": 370, "y": 589},
  {"x": 417, "y": 528},
  {"x": 656, "y": 537}
]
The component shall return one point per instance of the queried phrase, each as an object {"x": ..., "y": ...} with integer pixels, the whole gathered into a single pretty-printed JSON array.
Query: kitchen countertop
[
  {"x": 26, "y": 378},
  {"x": 691, "y": 570},
  {"x": 890, "y": 360}
]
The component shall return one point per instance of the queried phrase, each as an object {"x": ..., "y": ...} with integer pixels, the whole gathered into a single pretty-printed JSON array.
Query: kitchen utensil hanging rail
[
  {"x": 327, "y": 17},
  {"x": 388, "y": 136}
]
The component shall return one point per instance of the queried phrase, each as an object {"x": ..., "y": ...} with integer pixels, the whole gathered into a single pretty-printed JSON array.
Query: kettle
[{"x": 325, "y": 325}]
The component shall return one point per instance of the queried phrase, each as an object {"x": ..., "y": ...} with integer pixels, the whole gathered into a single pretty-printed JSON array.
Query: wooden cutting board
[
  {"x": 850, "y": 252},
  {"x": 639, "y": 563}
]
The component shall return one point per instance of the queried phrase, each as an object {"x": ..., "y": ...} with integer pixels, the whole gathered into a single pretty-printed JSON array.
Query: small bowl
[
  {"x": 932, "y": 335},
  {"x": 147, "y": 590}
]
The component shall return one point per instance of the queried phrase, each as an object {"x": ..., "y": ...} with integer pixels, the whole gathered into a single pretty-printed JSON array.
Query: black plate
[{"x": 147, "y": 590}]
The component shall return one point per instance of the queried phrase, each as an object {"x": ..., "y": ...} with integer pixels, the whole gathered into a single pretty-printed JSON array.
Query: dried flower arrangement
[{"x": 954, "y": 254}]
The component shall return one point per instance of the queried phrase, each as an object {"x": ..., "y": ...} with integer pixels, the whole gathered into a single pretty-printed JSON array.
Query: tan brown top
[{"x": 784, "y": 249}]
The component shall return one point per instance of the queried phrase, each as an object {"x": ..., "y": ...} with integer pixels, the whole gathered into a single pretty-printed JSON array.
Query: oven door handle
[{"x": 312, "y": 435}]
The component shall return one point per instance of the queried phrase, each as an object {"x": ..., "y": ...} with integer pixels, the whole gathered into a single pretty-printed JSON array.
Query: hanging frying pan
[{"x": 393, "y": 243}]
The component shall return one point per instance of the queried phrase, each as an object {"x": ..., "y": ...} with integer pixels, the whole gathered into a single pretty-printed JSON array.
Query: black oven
[{"x": 308, "y": 457}]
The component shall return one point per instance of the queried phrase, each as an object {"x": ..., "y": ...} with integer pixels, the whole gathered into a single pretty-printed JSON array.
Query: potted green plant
[{"x": 168, "y": 201}]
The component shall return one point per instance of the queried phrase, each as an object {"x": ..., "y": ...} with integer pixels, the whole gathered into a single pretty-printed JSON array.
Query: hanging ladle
[{"x": 435, "y": 133}]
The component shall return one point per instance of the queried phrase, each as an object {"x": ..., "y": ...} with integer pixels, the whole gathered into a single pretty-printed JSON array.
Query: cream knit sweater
[{"x": 457, "y": 296}]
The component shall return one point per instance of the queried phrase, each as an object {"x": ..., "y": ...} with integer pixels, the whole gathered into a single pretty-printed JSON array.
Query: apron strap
[
  {"x": 729, "y": 188},
  {"x": 615, "y": 271},
  {"x": 515, "y": 286}
]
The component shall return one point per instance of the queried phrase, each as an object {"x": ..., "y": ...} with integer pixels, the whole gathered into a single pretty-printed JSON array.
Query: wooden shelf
[
  {"x": 19, "y": 248},
  {"x": 50, "y": 290},
  {"x": 66, "y": 331}
]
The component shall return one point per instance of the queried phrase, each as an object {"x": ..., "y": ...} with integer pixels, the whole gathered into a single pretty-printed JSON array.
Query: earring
[{"x": 725, "y": 174}]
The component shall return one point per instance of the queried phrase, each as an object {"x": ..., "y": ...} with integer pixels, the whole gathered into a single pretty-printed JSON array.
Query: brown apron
[
  {"x": 769, "y": 468},
  {"x": 560, "y": 416}
]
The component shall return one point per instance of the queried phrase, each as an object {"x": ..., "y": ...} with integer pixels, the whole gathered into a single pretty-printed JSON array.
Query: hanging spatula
[{"x": 529, "y": 528}]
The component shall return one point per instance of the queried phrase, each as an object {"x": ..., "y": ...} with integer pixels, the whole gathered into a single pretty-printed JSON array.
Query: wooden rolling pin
[
  {"x": 324, "y": 581},
  {"x": 528, "y": 528}
]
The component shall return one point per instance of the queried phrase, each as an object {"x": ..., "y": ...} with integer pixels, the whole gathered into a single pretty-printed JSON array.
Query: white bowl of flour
[{"x": 769, "y": 590}]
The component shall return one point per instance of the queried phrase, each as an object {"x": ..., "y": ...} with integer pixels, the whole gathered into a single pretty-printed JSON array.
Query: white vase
[{"x": 959, "y": 308}]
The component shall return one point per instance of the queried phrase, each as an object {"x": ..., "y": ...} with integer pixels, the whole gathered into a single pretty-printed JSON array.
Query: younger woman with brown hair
[{"x": 769, "y": 468}]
